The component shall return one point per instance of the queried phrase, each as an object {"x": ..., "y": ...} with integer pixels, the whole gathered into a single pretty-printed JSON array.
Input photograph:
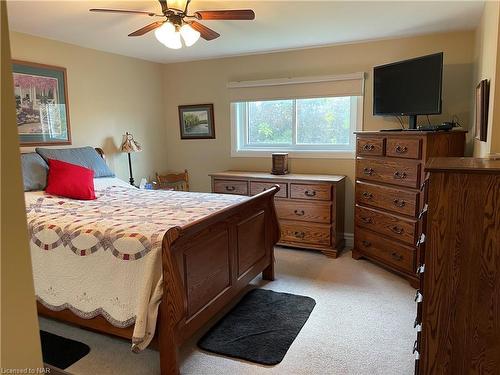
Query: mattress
[{"x": 103, "y": 257}]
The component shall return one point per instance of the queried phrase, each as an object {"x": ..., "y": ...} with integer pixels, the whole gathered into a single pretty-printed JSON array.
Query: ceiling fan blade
[
  {"x": 206, "y": 33},
  {"x": 147, "y": 28},
  {"x": 164, "y": 6},
  {"x": 241, "y": 14},
  {"x": 151, "y": 14}
]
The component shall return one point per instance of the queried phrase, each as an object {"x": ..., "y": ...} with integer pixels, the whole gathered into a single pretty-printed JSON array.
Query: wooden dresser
[
  {"x": 458, "y": 301},
  {"x": 389, "y": 172},
  {"x": 310, "y": 207}
]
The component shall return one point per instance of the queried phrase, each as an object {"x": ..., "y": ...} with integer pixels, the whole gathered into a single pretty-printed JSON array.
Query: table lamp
[{"x": 130, "y": 145}]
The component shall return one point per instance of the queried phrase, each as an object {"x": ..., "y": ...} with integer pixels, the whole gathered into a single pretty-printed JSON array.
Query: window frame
[{"x": 239, "y": 148}]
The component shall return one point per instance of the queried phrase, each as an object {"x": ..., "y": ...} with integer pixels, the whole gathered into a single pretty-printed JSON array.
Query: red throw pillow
[{"x": 70, "y": 180}]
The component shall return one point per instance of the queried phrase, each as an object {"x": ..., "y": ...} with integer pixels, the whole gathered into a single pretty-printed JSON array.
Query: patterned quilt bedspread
[{"x": 103, "y": 257}]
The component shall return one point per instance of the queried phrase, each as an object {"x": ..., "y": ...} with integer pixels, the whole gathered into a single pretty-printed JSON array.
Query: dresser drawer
[
  {"x": 393, "y": 199},
  {"x": 403, "y": 148},
  {"x": 257, "y": 187},
  {"x": 370, "y": 146},
  {"x": 392, "y": 253},
  {"x": 317, "y": 212},
  {"x": 403, "y": 173},
  {"x": 384, "y": 223},
  {"x": 321, "y": 192},
  {"x": 314, "y": 234},
  {"x": 231, "y": 187}
]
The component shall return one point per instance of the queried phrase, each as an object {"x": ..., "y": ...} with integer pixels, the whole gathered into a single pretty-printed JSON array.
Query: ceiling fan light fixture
[
  {"x": 189, "y": 35},
  {"x": 168, "y": 36},
  {"x": 179, "y": 5}
]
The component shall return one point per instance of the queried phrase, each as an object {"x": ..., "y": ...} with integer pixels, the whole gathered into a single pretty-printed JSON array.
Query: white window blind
[{"x": 299, "y": 87}]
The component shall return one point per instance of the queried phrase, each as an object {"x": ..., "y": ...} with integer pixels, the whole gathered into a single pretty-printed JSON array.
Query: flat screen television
[{"x": 409, "y": 88}]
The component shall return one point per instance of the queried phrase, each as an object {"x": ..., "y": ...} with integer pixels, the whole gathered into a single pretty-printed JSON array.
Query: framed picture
[
  {"x": 197, "y": 121},
  {"x": 41, "y": 104},
  {"x": 482, "y": 102}
]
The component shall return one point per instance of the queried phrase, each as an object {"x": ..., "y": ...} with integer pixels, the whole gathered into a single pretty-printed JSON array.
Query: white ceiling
[{"x": 279, "y": 25}]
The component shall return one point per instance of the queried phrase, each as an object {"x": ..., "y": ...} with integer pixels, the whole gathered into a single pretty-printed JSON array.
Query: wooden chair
[{"x": 173, "y": 181}]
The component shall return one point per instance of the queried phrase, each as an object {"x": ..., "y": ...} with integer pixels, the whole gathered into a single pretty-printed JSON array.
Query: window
[{"x": 314, "y": 125}]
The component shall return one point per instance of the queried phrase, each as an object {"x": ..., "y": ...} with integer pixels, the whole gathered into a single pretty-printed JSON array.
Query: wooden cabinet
[
  {"x": 389, "y": 174},
  {"x": 458, "y": 301},
  {"x": 310, "y": 207}
]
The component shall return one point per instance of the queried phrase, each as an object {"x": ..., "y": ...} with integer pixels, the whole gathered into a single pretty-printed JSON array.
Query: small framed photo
[
  {"x": 197, "y": 121},
  {"x": 42, "y": 112},
  {"x": 482, "y": 103}
]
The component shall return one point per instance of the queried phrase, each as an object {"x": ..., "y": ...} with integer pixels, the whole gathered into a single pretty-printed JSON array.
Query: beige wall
[
  {"x": 20, "y": 340},
  {"x": 205, "y": 82},
  {"x": 487, "y": 66},
  {"x": 108, "y": 95}
]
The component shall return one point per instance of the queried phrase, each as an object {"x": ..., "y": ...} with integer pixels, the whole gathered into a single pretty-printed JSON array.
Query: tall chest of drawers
[
  {"x": 310, "y": 208},
  {"x": 389, "y": 174},
  {"x": 458, "y": 300}
]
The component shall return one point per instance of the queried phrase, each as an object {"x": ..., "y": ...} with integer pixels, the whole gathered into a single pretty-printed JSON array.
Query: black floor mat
[
  {"x": 260, "y": 328},
  {"x": 61, "y": 352}
]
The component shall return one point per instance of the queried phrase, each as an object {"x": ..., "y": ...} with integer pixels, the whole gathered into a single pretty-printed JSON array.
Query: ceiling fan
[{"x": 178, "y": 22}]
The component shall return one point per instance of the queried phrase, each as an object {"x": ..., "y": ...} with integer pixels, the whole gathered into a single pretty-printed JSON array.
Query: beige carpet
[{"x": 362, "y": 324}]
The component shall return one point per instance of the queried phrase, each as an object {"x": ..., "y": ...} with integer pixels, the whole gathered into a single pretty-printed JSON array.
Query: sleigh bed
[{"x": 204, "y": 263}]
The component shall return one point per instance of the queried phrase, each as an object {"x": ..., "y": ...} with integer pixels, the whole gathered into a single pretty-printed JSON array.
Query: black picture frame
[{"x": 196, "y": 121}]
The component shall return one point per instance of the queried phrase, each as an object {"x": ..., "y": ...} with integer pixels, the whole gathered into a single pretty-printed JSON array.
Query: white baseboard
[{"x": 349, "y": 240}]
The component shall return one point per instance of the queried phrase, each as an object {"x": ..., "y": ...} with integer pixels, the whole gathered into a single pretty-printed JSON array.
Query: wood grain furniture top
[
  {"x": 465, "y": 165},
  {"x": 310, "y": 207},
  {"x": 389, "y": 174},
  {"x": 458, "y": 301},
  {"x": 286, "y": 177},
  {"x": 206, "y": 265}
]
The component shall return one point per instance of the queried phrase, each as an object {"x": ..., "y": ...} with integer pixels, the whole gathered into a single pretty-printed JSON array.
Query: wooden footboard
[{"x": 206, "y": 264}]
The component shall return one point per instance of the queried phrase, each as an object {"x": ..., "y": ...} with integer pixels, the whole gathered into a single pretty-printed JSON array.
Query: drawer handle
[
  {"x": 230, "y": 188},
  {"x": 426, "y": 181},
  {"x": 401, "y": 150},
  {"x": 367, "y": 220},
  {"x": 423, "y": 212},
  {"x": 300, "y": 235},
  {"x": 368, "y": 171},
  {"x": 366, "y": 243},
  {"x": 418, "y": 297},
  {"x": 397, "y": 230},
  {"x": 367, "y": 195},
  {"x": 400, "y": 175},
  {"x": 396, "y": 256},
  {"x": 310, "y": 193},
  {"x": 368, "y": 147},
  {"x": 421, "y": 270},
  {"x": 421, "y": 239},
  {"x": 415, "y": 347},
  {"x": 299, "y": 212},
  {"x": 399, "y": 202}
]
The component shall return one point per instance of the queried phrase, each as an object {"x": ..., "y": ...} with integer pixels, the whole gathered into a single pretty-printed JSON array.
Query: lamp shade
[
  {"x": 189, "y": 35},
  {"x": 169, "y": 36},
  {"x": 179, "y": 5},
  {"x": 129, "y": 144}
]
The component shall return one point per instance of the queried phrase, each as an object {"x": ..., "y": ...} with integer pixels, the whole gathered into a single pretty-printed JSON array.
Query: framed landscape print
[
  {"x": 197, "y": 121},
  {"x": 41, "y": 104},
  {"x": 482, "y": 103}
]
